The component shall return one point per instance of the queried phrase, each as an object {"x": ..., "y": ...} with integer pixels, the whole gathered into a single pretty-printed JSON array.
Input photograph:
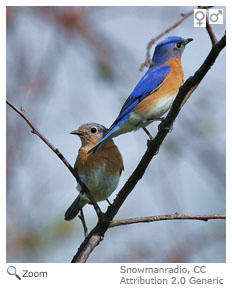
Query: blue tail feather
[{"x": 102, "y": 141}]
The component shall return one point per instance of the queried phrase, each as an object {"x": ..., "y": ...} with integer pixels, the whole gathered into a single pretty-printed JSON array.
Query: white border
[
  {"x": 228, "y": 133},
  {"x": 3, "y": 135},
  {"x": 105, "y": 275}
]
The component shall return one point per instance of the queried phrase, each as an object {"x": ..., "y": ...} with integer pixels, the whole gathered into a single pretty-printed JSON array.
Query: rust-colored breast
[
  {"x": 107, "y": 155},
  {"x": 169, "y": 87}
]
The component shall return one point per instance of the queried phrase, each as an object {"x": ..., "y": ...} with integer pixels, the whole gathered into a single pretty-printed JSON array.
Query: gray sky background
[{"x": 64, "y": 78}]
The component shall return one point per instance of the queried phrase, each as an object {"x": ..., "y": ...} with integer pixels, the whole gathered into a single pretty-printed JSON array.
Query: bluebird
[
  {"x": 155, "y": 92},
  {"x": 100, "y": 172}
]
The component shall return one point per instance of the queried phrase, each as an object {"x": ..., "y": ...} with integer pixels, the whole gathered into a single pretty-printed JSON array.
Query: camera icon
[{"x": 215, "y": 16}]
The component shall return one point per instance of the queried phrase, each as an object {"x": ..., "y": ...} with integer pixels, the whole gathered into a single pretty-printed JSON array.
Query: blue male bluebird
[
  {"x": 155, "y": 92},
  {"x": 100, "y": 172}
]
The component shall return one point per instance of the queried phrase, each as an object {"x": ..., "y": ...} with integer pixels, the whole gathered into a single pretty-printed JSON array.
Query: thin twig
[
  {"x": 175, "y": 216},
  {"x": 211, "y": 32},
  {"x": 22, "y": 113},
  {"x": 148, "y": 60}
]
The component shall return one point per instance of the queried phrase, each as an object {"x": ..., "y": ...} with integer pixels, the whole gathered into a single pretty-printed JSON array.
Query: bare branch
[
  {"x": 175, "y": 216},
  {"x": 211, "y": 32},
  {"x": 35, "y": 131}
]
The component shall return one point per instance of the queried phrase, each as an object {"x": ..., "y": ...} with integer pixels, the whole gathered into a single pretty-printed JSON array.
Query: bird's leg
[
  {"x": 108, "y": 202},
  {"x": 151, "y": 120},
  {"x": 82, "y": 218},
  {"x": 148, "y": 133}
]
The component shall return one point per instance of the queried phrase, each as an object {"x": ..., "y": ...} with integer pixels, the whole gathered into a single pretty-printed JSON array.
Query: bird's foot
[
  {"x": 148, "y": 133},
  {"x": 161, "y": 127}
]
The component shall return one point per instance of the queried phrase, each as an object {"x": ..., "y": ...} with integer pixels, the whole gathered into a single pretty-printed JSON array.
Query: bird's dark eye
[
  {"x": 93, "y": 130},
  {"x": 178, "y": 45}
]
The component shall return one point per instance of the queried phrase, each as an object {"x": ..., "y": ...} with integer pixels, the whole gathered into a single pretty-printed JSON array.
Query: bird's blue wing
[{"x": 149, "y": 83}]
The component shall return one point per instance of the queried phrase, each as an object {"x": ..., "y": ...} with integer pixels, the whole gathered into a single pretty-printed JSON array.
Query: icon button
[
  {"x": 199, "y": 17},
  {"x": 11, "y": 270},
  {"x": 215, "y": 16}
]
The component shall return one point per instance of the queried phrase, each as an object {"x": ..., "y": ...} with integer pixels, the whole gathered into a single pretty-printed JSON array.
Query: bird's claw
[{"x": 161, "y": 127}]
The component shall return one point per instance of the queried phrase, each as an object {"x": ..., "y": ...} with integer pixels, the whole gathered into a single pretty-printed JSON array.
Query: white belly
[
  {"x": 137, "y": 121},
  {"x": 99, "y": 184},
  {"x": 161, "y": 107}
]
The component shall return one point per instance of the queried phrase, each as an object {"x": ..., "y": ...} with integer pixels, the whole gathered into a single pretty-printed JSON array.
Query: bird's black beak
[
  {"x": 76, "y": 132},
  {"x": 187, "y": 40}
]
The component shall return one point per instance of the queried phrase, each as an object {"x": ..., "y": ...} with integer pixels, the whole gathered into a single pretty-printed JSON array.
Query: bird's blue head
[{"x": 170, "y": 47}]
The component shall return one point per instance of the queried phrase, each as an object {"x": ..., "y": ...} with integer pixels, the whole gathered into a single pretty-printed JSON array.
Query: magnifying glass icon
[{"x": 11, "y": 270}]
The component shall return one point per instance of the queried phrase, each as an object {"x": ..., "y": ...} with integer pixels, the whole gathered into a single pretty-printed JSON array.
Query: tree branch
[
  {"x": 211, "y": 32},
  {"x": 35, "y": 131},
  {"x": 97, "y": 234},
  {"x": 175, "y": 216}
]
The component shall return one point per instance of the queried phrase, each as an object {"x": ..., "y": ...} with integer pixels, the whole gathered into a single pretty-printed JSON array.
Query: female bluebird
[
  {"x": 155, "y": 93},
  {"x": 100, "y": 172}
]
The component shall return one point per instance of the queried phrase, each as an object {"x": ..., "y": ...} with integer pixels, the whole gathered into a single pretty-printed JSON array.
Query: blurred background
[{"x": 70, "y": 65}]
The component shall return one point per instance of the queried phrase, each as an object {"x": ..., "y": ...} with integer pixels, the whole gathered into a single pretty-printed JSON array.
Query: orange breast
[
  {"x": 169, "y": 87},
  {"x": 108, "y": 155}
]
